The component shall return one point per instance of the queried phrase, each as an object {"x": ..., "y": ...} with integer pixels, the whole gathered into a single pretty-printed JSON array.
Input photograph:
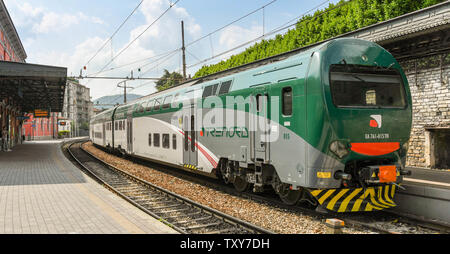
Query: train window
[
  {"x": 174, "y": 141},
  {"x": 149, "y": 139},
  {"x": 165, "y": 140},
  {"x": 149, "y": 105},
  {"x": 371, "y": 97},
  {"x": 258, "y": 102},
  {"x": 287, "y": 101},
  {"x": 366, "y": 87},
  {"x": 186, "y": 138},
  {"x": 167, "y": 101},
  {"x": 207, "y": 91},
  {"x": 210, "y": 90},
  {"x": 116, "y": 126},
  {"x": 157, "y": 104},
  {"x": 225, "y": 87},
  {"x": 176, "y": 101},
  {"x": 214, "y": 88},
  {"x": 156, "y": 139},
  {"x": 192, "y": 133}
]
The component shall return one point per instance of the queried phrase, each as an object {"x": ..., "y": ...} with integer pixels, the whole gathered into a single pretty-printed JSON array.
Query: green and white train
[{"x": 328, "y": 123}]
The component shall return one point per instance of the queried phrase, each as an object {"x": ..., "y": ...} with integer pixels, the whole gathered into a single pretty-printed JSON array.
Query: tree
[
  {"x": 323, "y": 24},
  {"x": 168, "y": 80}
]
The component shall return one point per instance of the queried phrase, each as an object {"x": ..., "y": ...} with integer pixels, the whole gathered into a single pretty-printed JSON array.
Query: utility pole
[
  {"x": 183, "y": 49},
  {"x": 125, "y": 92},
  {"x": 124, "y": 89}
]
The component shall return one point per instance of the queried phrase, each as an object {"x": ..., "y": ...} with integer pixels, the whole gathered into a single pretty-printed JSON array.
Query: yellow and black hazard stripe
[
  {"x": 189, "y": 166},
  {"x": 356, "y": 199}
]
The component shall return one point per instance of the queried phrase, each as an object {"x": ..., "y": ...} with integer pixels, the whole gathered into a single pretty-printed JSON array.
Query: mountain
[{"x": 106, "y": 102}]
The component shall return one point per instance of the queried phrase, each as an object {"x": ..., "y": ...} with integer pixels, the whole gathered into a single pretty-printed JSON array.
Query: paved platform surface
[
  {"x": 428, "y": 177},
  {"x": 43, "y": 192}
]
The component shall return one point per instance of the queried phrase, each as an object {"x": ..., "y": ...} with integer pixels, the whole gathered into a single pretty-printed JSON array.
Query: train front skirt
[{"x": 356, "y": 199}]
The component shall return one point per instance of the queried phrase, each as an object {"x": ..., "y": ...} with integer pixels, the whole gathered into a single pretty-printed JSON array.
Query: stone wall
[{"x": 429, "y": 83}]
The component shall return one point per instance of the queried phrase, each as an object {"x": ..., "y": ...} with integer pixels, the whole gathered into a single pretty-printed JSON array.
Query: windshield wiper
[{"x": 360, "y": 79}]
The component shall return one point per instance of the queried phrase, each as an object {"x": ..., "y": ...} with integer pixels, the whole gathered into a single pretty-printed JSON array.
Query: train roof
[{"x": 291, "y": 64}]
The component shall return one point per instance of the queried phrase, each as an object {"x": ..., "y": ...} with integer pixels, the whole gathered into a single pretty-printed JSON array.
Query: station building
[{"x": 25, "y": 88}]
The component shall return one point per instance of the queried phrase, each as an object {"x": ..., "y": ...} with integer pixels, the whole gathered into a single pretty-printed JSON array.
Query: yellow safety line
[
  {"x": 336, "y": 198},
  {"x": 316, "y": 192},
  {"x": 369, "y": 208},
  {"x": 393, "y": 191},
  {"x": 358, "y": 202},
  {"x": 372, "y": 198},
  {"x": 326, "y": 195},
  {"x": 380, "y": 197},
  {"x": 344, "y": 204},
  {"x": 386, "y": 196}
]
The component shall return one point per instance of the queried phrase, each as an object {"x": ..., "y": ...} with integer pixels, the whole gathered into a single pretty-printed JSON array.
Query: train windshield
[{"x": 366, "y": 87}]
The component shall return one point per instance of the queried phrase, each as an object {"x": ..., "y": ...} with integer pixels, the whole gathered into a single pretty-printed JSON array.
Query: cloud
[
  {"x": 44, "y": 23},
  {"x": 52, "y": 21},
  {"x": 42, "y": 20},
  {"x": 233, "y": 35},
  {"x": 30, "y": 10}
]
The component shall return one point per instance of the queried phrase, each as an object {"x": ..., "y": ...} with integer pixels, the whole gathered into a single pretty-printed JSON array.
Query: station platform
[
  {"x": 425, "y": 194},
  {"x": 428, "y": 177},
  {"x": 42, "y": 192}
]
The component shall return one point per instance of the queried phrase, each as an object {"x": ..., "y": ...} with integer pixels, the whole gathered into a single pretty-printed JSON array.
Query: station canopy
[{"x": 33, "y": 86}]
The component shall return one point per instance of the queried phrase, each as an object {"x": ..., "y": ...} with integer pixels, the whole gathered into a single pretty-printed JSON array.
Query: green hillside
[{"x": 323, "y": 24}]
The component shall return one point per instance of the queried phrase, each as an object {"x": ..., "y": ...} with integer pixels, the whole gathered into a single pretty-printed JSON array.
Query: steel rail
[
  {"x": 230, "y": 220},
  {"x": 349, "y": 219}
]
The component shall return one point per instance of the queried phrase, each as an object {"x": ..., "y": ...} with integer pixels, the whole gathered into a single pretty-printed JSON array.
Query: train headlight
[{"x": 338, "y": 148}]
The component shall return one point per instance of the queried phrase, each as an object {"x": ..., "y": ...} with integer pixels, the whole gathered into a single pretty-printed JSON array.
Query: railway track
[
  {"x": 376, "y": 222},
  {"x": 183, "y": 215}
]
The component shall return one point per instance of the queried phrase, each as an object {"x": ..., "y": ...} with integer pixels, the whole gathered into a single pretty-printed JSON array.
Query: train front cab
[{"x": 365, "y": 125}]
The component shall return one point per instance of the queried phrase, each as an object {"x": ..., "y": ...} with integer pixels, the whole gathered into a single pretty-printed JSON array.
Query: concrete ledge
[{"x": 425, "y": 202}]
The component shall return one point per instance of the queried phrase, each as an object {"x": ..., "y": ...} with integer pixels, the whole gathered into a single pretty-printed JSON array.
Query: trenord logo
[
  {"x": 375, "y": 121},
  {"x": 259, "y": 114}
]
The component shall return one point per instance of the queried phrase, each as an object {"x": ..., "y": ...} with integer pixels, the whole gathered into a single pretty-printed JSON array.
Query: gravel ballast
[{"x": 276, "y": 219}]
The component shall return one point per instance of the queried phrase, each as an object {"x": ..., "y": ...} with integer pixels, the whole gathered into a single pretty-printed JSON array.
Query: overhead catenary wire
[
  {"x": 137, "y": 37},
  {"x": 138, "y": 61},
  {"x": 231, "y": 23},
  {"x": 276, "y": 30},
  {"x": 189, "y": 44},
  {"x": 115, "y": 32},
  {"x": 273, "y": 31}
]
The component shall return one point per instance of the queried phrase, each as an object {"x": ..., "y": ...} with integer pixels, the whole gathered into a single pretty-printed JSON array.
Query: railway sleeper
[
  {"x": 140, "y": 198},
  {"x": 156, "y": 200},
  {"x": 130, "y": 189},
  {"x": 175, "y": 210},
  {"x": 182, "y": 215},
  {"x": 167, "y": 206},
  {"x": 203, "y": 225},
  {"x": 225, "y": 230},
  {"x": 196, "y": 219},
  {"x": 135, "y": 194}
]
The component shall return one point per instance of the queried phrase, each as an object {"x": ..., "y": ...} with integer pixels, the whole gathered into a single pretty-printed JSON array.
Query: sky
[{"x": 69, "y": 33}]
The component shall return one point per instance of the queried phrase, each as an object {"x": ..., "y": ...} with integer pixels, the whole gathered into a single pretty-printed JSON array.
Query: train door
[
  {"x": 129, "y": 134},
  {"x": 190, "y": 151},
  {"x": 260, "y": 126},
  {"x": 104, "y": 133}
]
